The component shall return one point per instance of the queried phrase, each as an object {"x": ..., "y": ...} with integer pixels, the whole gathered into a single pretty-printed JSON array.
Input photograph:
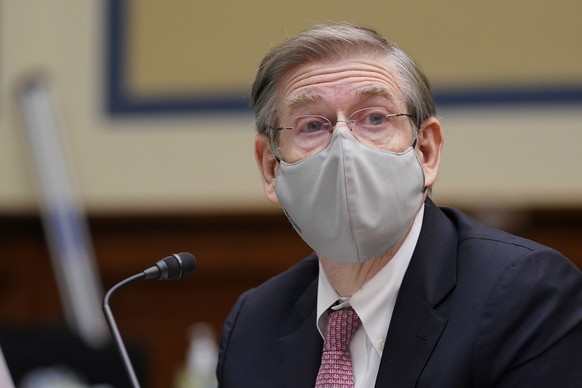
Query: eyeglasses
[{"x": 312, "y": 133}]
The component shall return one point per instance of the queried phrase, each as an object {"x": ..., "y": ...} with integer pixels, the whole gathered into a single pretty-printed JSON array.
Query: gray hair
[{"x": 324, "y": 42}]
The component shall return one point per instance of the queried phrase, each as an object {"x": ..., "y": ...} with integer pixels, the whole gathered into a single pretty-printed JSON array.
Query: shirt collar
[{"x": 374, "y": 302}]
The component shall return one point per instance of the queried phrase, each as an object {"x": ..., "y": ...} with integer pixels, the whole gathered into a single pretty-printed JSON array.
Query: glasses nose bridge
[{"x": 347, "y": 122}]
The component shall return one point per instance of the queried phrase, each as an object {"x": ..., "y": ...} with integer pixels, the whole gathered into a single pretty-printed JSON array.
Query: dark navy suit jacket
[{"x": 477, "y": 308}]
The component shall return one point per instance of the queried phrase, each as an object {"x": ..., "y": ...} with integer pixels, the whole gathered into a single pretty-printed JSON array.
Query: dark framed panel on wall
[
  {"x": 126, "y": 94},
  {"x": 189, "y": 56}
]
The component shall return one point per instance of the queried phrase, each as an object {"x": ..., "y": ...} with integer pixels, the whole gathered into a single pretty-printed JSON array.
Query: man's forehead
[{"x": 311, "y": 97}]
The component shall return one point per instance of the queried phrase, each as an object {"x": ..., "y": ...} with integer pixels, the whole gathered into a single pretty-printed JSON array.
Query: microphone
[{"x": 171, "y": 267}]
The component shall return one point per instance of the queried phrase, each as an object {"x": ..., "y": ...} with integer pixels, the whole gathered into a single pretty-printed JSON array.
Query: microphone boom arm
[
  {"x": 113, "y": 326},
  {"x": 171, "y": 267}
]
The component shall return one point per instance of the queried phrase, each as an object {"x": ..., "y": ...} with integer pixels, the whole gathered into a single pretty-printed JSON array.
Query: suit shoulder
[
  {"x": 484, "y": 252},
  {"x": 472, "y": 232}
]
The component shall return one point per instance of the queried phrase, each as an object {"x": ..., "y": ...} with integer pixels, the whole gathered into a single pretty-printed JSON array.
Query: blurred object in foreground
[
  {"x": 38, "y": 356},
  {"x": 5, "y": 376},
  {"x": 63, "y": 219},
  {"x": 199, "y": 370}
]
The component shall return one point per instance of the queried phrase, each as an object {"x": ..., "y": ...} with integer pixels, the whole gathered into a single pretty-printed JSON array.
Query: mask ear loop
[
  {"x": 276, "y": 155},
  {"x": 414, "y": 143}
]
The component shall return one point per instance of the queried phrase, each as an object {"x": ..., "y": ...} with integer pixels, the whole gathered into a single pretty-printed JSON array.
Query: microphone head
[
  {"x": 172, "y": 267},
  {"x": 187, "y": 263}
]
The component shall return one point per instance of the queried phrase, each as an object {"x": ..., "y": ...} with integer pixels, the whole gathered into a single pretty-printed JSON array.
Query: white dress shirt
[{"x": 374, "y": 304}]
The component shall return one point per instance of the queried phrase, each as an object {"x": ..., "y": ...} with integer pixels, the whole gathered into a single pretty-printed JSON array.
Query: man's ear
[
  {"x": 430, "y": 144},
  {"x": 268, "y": 166}
]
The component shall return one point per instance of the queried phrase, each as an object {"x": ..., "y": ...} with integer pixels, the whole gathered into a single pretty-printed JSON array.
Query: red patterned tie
[{"x": 336, "y": 364}]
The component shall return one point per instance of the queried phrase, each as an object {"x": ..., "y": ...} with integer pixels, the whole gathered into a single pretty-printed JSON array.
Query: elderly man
[{"x": 399, "y": 292}]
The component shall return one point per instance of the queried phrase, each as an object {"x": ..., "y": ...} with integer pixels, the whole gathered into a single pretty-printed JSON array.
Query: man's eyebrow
[
  {"x": 376, "y": 91},
  {"x": 301, "y": 99}
]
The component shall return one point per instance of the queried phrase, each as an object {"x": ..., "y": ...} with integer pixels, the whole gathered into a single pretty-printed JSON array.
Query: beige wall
[{"x": 507, "y": 156}]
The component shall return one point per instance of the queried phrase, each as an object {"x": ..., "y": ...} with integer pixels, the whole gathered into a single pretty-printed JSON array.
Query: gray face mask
[{"x": 350, "y": 202}]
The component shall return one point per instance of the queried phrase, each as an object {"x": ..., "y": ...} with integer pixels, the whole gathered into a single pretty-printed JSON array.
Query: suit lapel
[
  {"x": 410, "y": 341},
  {"x": 300, "y": 349},
  {"x": 417, "y": 323}
]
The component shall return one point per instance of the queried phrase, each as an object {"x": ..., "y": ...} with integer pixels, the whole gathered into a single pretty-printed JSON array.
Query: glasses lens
[
  {"x": 371, "y": 125},
  {"x": 308, "y": 135}
]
